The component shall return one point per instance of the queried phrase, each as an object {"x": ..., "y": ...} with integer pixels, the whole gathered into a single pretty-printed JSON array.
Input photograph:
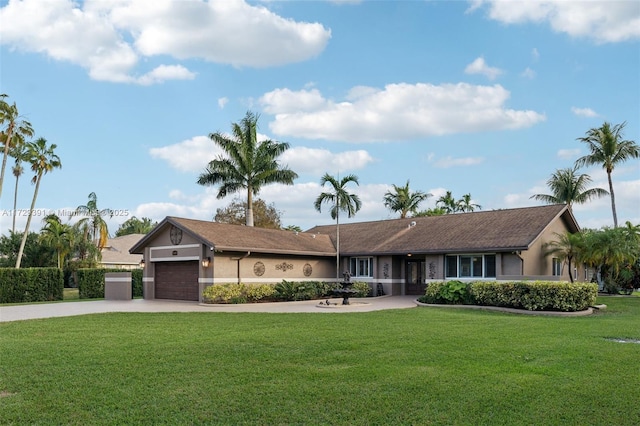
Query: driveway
[{"x": 66, "y": 309}]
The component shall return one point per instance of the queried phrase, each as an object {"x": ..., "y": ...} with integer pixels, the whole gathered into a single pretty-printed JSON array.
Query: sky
[{"x": 485, "y": 98}]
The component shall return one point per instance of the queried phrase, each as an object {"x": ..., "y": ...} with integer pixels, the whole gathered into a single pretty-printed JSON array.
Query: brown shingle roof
[
  {"x": 117, "y": 250},
  {"x": 228, "y": 237},
  {"x": 498, "y": 230}
]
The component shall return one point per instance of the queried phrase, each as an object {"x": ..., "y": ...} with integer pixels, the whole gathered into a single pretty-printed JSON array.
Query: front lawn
[{"x": 428, "y": 366}]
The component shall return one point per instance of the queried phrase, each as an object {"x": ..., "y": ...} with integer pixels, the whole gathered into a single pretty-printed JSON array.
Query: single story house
[
  {"x": 115, "y": 254},
  {"x": 183, "y": 256}
]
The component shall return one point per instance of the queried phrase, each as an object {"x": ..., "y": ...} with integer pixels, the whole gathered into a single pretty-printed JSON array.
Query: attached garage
[{"x": 177, "y": 280}]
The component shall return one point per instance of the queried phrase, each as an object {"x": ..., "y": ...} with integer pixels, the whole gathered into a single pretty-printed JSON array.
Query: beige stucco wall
[{"x": 263, "y": 268}]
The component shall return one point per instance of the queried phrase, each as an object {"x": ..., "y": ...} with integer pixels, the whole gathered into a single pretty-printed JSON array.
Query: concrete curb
[{"x": 587, "y": 311}]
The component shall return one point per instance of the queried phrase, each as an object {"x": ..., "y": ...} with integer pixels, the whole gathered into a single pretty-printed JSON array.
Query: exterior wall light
[
  {"x": 206, "y": 262},
  {"x": 142, "y": 263}
]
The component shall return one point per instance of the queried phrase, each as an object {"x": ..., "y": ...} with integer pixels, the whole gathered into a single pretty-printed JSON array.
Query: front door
[{"x": 415, "y": 278}]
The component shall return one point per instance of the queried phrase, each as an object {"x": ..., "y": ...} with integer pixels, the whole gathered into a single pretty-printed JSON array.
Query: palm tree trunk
[
  {"x": 569, "y": 266},
  {"x": 15, "y": 206},
  {"x": 6, "y": 154},
  {"x": 249, "y": 212},
  {"x": 338, "y": 243},
  {"x": 26, "y": 229},
  {"x": 613, "y": 200}
]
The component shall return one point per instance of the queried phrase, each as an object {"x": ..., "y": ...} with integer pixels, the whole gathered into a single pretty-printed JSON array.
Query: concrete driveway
[{"x": 66, "y": 309}]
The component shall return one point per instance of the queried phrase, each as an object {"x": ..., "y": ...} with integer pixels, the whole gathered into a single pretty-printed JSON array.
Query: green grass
[{"x": 427, "y": 366}]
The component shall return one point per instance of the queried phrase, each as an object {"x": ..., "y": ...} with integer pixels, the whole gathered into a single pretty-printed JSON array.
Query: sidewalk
[{"x": 66, "y": 309}]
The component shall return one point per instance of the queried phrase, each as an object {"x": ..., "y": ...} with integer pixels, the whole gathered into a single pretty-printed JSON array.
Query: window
[
  {"x": 556, "y": 267},
  {"x": 361, "y": 267},
  {"x": 471, "y": 266}
]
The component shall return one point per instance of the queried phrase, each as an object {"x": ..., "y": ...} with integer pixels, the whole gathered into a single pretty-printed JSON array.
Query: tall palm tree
[
  {"x": 93, "y": 221},
  {"x": 568, "y": 187},
  {"x": 403, "y": 200},
  {"x": 608, "y": 149},
  {"x": 248, "y": 164},
  {"x": 43, "y": 160},
  {"x": 567, "y": 247},
  {"x": 448, "y": 203},
  {"x": 340, "y": 200},
  {"x": 13, "y": 130},
  {"x": 19, "y": 153},
  {"x": 465, "y": 204},
  {"x": 58, "y": 235}
]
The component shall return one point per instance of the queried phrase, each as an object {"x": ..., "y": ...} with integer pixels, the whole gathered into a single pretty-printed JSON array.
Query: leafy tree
[
  {"x": 566, "y": 248},
  {"x": 465, "y": 204},
  {"x": 36, "y": 253},
  {"x": 57, "y": 235},
  {"x": 134, "y": 225},
  {"x": 248, "y": 165},
  {"x": 403, "y": 200},
  {"x": 608, "y": 149},
  {"x": 435, "y": 211},
  {"x": 43, "y": 160},
  {"x": 448, "y": 203},
  {"x": 568, "y": 187},
  {"x": 340, "y": 200},
  {"x": 265, "y": 216},
  {"x": 93, "y": 223},
  {"x": 14, "y": 131},
  {"x": 294, "y": 228},
  {"x": 610, "y": 250}
]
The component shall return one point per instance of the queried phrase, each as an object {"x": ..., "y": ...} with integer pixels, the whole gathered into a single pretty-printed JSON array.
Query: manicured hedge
[
  {"x": 30, "y": 285},
  {"x": 91, "y": 282},
  {"x": 530, "y": 295}
]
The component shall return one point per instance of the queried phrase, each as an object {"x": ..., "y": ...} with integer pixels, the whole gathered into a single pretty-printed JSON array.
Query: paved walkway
[{"x": 66, "y": 309}]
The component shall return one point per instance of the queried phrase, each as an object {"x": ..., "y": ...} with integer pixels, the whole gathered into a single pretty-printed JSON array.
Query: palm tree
[
  {"x": 403, "y": 200},
  {"x": 58, "y": 235},
  {"x": 248, "y": 164},
  {"x": 608, "y": 149},
  {"x": 16, "y": 131},
  {"x": 448, "y": 203},
  {"x": 566, "y": 248},
  {"x": 43, "y": 160},
  {"x": 93, "y": 222},
  {"x": 568, "y": 187},
  {"x": 19, "y": 153},
  {"x": 340, "y": 200},
  {"x": 465, "y": 204}
]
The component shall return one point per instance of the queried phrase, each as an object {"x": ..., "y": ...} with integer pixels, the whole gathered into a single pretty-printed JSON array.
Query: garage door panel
[{"x": 177, "y": 280}]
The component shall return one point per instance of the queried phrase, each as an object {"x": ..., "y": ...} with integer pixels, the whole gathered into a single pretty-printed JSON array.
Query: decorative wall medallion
[
  {"x": 258, "y": 268},
  {"x": 307, "y": 270},
  {"x": 284, "y": 266},
  {"x": 175, "y": 234}
]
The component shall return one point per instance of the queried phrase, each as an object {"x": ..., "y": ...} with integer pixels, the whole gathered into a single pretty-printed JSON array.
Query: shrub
[
  {"x": 448, "y": 292},
  {"x": 536, "y": 295},
  {"x": 31, "y": 285},
  {"x": 224, "y": 293},
  {"x": 258, "y": 292},
  {"x": 363, "y": 289}
]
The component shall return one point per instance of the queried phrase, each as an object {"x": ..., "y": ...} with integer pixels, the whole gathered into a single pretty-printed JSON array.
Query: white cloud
[
  {"x": 584, "y": 112},
  {"x": 222, "y": 102},
  {"x": 535, "y": 55},
  {"x": 604, "y": 21},
  {"x": 479, "y": 66},
  {"x": 320, "y": 161},
  {"x": 398, "y": 112},
  {"x": 110, "y": 38},
  {"x": 528, "y": 73},
  {"x": 568, "y": 154},
  {"x": 187, "y": 156},
  {"x": 447, "y": 162}
]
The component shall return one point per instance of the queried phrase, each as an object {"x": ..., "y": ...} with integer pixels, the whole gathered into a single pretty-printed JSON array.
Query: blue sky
[{"x": 478, "y": 97}]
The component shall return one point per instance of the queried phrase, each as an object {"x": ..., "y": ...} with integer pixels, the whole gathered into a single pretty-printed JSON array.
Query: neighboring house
[
  {"x": 183, "y": 256},
  {"x": 116, "y": 253}
]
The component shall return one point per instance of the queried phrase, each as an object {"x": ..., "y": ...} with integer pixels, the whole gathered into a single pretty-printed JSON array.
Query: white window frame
[
  {"x": 355, "y": 266},
  {"x": 556, "y": 267}
]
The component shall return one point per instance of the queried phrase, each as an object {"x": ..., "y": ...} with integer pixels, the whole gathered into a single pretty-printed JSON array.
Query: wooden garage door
[{"x": 177, "y": 280}]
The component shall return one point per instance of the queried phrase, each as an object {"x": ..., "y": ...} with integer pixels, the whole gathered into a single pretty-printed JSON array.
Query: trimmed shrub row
[
  {"x": 284, "y": 291},
  {"x": 529, "y": 295},
  {"x": 30, "y": 285},
  {"x": 90, "y": 282}
]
